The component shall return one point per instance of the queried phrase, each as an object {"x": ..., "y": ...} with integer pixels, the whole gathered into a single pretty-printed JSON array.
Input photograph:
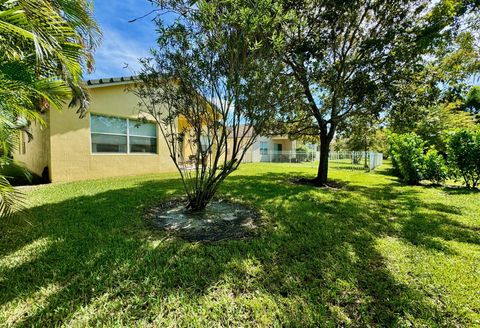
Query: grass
[{"x": 375, "y": 253}]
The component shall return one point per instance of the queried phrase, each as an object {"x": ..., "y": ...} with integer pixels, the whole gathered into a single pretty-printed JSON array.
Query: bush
[
  {"x": 406, "y": 151},
  {"x": 304, "y": 154},
  {"x": 435, "y": 168},
  {"x": 464, "y": 156}
]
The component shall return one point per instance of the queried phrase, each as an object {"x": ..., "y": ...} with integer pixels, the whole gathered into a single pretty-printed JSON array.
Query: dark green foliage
[
  {"x": 435, "y": 168},
  {"x": 18, "y": 175},
  {"x": 472, "y": 101},
  {"x": 464, "y": 156},
  {"x": 406, "y": 151},
  {"x": 473, "y": 98}
]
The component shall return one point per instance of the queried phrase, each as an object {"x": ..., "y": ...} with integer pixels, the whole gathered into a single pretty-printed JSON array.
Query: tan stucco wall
[
  {"x": 248, "y": 154},
  {"x": 71, "y": 157},
  {"x": 36, "y": 153},
  {"x": 286, "y": 144}
]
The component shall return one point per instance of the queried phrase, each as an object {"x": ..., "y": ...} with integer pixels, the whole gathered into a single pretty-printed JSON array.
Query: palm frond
[{"x": 11, "y": 199}]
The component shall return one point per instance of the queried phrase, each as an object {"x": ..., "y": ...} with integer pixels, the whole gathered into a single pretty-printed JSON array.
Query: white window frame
[{"x": 128, "y": 152}]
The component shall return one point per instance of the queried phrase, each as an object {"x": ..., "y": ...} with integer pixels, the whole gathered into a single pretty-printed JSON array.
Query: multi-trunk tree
[{"x": 210, "y": 87}]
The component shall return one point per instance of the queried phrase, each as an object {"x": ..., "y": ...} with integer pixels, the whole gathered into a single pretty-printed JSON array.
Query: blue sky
[{"x": 123, "y": 42}]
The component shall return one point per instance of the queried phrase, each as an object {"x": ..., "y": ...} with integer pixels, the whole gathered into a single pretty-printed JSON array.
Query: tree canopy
[{"x": 345, "y": 54}]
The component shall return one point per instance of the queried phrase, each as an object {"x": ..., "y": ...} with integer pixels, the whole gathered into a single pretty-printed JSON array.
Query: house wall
[
  {"x": 255, "y": 150},
  {"x": 70, "y": 142},
  {"x": 287, "y": 145},
  {"x": 36, "y": 156},
  {"x": 249, "y": 154}
]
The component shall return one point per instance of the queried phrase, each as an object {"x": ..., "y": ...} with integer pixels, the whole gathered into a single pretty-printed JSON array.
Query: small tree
[
  {"x": 360, "y": 133},
  {"x": 206, "y": 86},
  {"x": 464, "y": 156}
]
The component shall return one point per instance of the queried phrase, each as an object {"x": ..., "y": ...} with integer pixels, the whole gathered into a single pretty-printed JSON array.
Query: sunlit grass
[{"x": 373, "y": 253}]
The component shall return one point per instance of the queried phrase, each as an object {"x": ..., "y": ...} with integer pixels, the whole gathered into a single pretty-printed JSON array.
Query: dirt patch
[
  {"x": 331, "y": 184},
  {"x": 222, "y": 219}
]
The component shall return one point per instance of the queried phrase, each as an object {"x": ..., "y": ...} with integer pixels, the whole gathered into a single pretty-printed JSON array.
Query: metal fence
[
  {"x": 351, "y": 160},
  {"x": 355, "y": 160},
  {"x": 286, "y": 156}
]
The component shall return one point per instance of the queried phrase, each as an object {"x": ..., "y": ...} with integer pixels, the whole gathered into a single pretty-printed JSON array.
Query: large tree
[
  {"x": 342, "y": 53},
  {"x": 432, "y": 98}
]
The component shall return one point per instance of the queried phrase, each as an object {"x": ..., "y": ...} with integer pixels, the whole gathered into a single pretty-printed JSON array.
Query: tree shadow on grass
[
  {"x": 457, "y": 190},
  {"x": 316, "y": 263}
]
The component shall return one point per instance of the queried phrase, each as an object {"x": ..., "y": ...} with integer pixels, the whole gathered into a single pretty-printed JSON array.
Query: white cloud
[
  {"x": 115, "y": 52},
  {"x": 123, "y": 43}
]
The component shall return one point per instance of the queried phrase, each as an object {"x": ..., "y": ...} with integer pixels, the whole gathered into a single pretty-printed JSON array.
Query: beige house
[
  {"x": 108, "y": 142},
  {"x": 275, "y": 148}
]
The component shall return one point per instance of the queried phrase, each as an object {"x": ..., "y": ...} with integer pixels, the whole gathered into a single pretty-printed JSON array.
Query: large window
[
  {"x": 142, "y": 137},
  {"x": 119, "y": 135},
  {"x": 263, "y": 148}
]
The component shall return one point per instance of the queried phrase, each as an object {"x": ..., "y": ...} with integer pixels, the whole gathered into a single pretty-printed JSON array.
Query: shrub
[
  {"x": 406, "y": 151},
  {"x": 464, "y": 156},
  {"x": 304, "y": 153},
  {"x": 435, "y": 168}
]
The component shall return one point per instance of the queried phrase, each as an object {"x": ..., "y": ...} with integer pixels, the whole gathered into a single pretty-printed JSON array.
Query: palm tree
[{"x": 45, "y": 46}]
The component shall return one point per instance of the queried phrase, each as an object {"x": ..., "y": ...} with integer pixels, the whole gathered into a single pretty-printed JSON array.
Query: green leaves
[
  {"x": 52, "y": 39},
  {"x": 406, "y": 151},
  {"x": 472, "y": 101},
  {"x": 44, "y": 48},
  {"x": 464, "y": 156},
  {"x": 435, "y": 168}
]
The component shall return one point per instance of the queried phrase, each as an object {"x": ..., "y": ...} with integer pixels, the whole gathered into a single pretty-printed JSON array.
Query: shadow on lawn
[
  {"x": 317, "y": 259},
  {"x": 456, "y": 190}
]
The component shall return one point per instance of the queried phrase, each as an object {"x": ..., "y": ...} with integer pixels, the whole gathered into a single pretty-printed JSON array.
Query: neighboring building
[
  {"x": 277, "y": 148},
  {"x": 108, "y": 142},
  {"x": 270, "y": 149}
]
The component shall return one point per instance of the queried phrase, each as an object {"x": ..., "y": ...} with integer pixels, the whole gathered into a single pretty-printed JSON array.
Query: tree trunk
[
  {"x": 199, "y": 201},
  {"x": 366, "y": 158},
  {"x": 322, "y": 173}
]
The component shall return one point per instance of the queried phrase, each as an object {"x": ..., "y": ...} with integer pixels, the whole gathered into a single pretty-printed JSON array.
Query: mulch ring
[{"x": 221, "y": 220}]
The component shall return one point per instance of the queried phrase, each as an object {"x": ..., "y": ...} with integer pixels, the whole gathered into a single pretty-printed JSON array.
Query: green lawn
[{"x": 375, "y": 253}]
